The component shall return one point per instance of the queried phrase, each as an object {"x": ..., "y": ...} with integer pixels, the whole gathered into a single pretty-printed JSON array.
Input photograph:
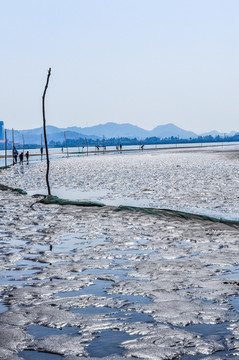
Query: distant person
[
  {"x": 27, "y": 156},
  {"x": 62, "y": 149},
  {"x": 41, "y": 150},
  {"x": 15, "y": 153},
  {"x": 120, "y": 146},
  {"x": 142, "y": 147},
  {"x": 21, "y": 158}
]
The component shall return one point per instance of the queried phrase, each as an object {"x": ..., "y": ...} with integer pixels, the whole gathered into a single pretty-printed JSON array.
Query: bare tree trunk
[{"x": 44, "y": 129}]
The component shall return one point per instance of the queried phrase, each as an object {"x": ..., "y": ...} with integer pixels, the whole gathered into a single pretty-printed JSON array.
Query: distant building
[{"x": 1, "y": 130}]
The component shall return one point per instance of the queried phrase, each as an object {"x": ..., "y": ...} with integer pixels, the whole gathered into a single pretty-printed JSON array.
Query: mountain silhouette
[{"x": 108, "y": 130}]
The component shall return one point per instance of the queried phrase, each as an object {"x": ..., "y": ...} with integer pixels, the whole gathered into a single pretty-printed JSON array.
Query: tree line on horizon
[{"x": 81, "y": 142}]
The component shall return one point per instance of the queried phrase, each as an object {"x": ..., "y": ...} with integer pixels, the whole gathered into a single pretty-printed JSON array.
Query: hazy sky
[{"x": 146, "y": 62}]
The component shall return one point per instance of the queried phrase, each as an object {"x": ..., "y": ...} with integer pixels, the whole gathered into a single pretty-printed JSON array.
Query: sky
[{"x": 144, "y": 62}]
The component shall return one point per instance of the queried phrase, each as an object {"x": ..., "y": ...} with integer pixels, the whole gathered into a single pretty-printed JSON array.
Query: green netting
[
  {"x": 5, "y": 188},
  {"x": 5, "y": 167},
  {"x": 50, "y": 199},
  {"x": 166, "y": 212},
  {"x": 185, "y": 215}
]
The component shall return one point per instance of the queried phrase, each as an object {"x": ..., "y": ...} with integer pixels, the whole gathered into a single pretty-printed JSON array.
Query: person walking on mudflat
[
  {"x": 27, "y": 156},
  {"x": 15, "y": 153},
  {"x": 21, "y": 158}
]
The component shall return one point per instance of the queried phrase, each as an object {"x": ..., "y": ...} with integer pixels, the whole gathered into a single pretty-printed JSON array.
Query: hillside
[{"x": 108, "y": 130}]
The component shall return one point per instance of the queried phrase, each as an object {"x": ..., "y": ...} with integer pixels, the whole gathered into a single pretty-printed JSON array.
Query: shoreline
[{"x": 95, "y": 152}]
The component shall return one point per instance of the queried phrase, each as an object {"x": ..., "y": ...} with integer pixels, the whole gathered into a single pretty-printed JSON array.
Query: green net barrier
[
  {"x": 182, "y": 214},
  {"x": 5, "y": 167},
  {"x": 5, "y": 188},
  {"x": 50, "y": 199}
]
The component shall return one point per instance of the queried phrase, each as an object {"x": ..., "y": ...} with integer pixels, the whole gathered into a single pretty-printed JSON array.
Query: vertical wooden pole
[
  {"x": 86, "y": 145},
  {"x": 66, "y": 144},
  {"x": 41, "y": 148},
  {"x": 12, "y": 146},
  {"x": 5, "y": 148},
  {"x": 23, "y": 145},
  {"x": 44, "y": 128}
]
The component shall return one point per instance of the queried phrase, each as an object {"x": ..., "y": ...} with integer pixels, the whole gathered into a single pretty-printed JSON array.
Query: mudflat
[{"x": 95, "y": 282}]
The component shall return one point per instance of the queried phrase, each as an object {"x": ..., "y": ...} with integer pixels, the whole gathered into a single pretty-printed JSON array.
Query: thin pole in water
[
  {"x": 44, "y": 129},
  {"x": 66, "y": 144},
  {"x": 86, "y": 145},
  {"x": 41, "y": 148},
  {"x": 5, "y": 148},
  {"x": 23, "y": 145},
  {"x": 98, "y": 147},
  {"x": 12, "y": 146}
]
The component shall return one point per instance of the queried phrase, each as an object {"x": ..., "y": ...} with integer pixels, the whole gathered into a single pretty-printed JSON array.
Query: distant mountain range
[
  {"x": 215, "y": 133},
  {"x": 108, "y": 130}
]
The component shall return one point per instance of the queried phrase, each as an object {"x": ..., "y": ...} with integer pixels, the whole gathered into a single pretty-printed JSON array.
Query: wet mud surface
[
  {"x": 94, "y": 283},
  {"x": 203, "y": 181}
]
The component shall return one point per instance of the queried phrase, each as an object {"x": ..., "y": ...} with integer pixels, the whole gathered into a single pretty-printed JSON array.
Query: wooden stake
[
  {"x": 23, "y": 145},
  {"x": 12, "y": 146},
  {"x": 5, "y": 148},
  {"x": 41, "y": 150},
  {"x": 44, "y": 129},
  {"x": 86, "y": 145},
  {"x": 66, "y": 144}
]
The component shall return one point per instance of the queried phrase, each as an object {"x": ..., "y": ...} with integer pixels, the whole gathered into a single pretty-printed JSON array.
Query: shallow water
[
  {"x": 36, "y": 355},
  {"x": 94, "y": 196},
  {"x": 3, "y": 307},
  {"x": 108, "y": 343}
]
